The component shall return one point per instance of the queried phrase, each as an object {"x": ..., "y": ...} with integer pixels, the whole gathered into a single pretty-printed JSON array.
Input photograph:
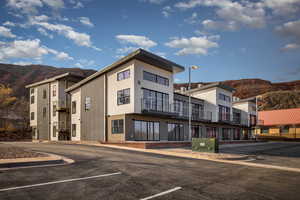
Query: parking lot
[{"x": 104, "y": 173}]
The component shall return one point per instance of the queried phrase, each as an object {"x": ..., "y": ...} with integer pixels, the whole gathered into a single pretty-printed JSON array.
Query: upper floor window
[
  {"x": 224, "y": 97},
  {"x": 32, "y": 91},
  {"x": 32, "y": 99},
  {"x": 73, "y": 130},
  {"x": 87, "y": 103},
  {"x": 54, "y": 91},
  {"x": 124, "y": 96},
  {"x": 224, "y": 113},
  {"x": 44, "y": 94},
  {"x": 155, "y": 78},
  {"x": 32, "y": 116},
  {"x": 123, "y": 75},
  {"x": 73, "y": 107},
  {"x": 157, "y": 101},
  {"x": 54, "y": 110}
]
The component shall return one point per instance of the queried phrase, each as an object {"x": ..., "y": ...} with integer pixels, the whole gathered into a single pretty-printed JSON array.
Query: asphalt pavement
[{"x": 105, "y": 173}]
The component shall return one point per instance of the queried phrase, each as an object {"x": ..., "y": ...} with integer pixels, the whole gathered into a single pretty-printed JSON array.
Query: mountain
[
  {"x": 246, "y": 88},
  {"x": 16, "y": 76}
]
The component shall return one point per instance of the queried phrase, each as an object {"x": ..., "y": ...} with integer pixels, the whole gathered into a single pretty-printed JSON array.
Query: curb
[{"x": 51, "y": 160}]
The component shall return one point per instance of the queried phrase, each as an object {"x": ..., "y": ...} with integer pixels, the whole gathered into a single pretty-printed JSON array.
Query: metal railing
[
  {"x": 61, "y": 105},
  {"x": 151, "y": 105}
]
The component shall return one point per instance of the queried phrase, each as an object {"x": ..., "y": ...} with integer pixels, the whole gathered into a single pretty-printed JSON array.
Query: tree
[{"x": 6, "y": 100}]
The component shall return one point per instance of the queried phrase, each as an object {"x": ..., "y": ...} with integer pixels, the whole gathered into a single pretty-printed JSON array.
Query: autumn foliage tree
[{"x": 6, "y": 100}]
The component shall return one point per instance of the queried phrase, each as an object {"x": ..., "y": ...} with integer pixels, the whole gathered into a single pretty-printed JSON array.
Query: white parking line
[
  {"x": 55, "y": 182},
  {"x": 162, "y": 193}
]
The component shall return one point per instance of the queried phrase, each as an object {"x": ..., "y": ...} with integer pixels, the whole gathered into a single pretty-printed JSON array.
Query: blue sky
[{"x": 227, "y": 39}]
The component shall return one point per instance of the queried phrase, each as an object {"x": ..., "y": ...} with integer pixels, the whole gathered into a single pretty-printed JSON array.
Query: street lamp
[{"x": 194, "y": 67}]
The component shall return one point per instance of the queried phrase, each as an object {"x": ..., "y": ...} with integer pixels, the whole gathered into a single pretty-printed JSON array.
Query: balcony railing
[
  {"x": 61, "y": 105},
  {"x": 150, "y": 106},
  {"x": 229, "y": 118}
]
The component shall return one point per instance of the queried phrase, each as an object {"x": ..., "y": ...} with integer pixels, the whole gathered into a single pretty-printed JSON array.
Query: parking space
[
  {"x": 103, "y": 173},
  {"x": 285, "y": 154}
]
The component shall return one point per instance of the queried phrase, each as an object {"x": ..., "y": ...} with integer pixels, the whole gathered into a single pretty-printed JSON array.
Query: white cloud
[
  {"x": 166, "y": 11},
  {"x": 193, "y": 19},
  {"x": 23, "y": 63},
  {"x": 83, "y": 63},
  {"x": 239, "y": 12},
  {"x": 44, "y": 32},
  {"x": 5, "y": 32},
  {"x": 193, "y": 45},
  {"x": 214, "y": 25},
  {"x": 290, "y": 47},
  {"x": 154, "y": 1},
  {"x": 140, "y": 41},
  {"x": 28, "y": 49},
  {"x": 31, "y": 6},
  {"x": 76, "y": 4},
  {"x": 125, "y": 50},
  {"x": 8, "y": 23},
  {"x": 290, "y": 29},
  {"x": 86, "y": 21},
  {"x": 283, "y": 7}
]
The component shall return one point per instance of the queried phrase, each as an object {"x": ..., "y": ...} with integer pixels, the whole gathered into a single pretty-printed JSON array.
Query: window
[
  {"x": 44, "y": 94},
  {"x": 265, "y": 130},
  {"x": 224, "y": 97},
  {"x": 32, "y": 99},
  {"x": 175, "y": 132},
  {"x": 155, "y": 101},
  {"x": 32, "y": 91},
  {"x": 197, "y": 111},
  {"x": 236, "y": 117},
  {"x": 54, "y": 130},
  {"x": 146, "y": 130},
  {"x": 87, "y": 103},
  {"x": 211, "y": 132},
  {"x": 253, "y": 119},
  {"x": 284, "y": 129},
  {"x": 123, "y": 75},
  {"x": 117, "y": 126},
  {"x": 73, "y": 130},
  {"x": 32, "y": 116},
  {"x": 226, "y": 134},
  {"x": 73, "y": 107},
  {"x": 196, "y": 131},
  {"x": 44, "y": 112},
  {"x": 224, "y": 113},
  {"x": 155, "y": 78},
  {"x": 54, "y": 111},
  {"x": 123, "y": 96},
  {"x": 54, "y": 91}
]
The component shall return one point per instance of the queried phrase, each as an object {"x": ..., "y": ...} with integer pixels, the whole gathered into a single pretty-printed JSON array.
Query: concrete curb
[{"x": 50, "y": 160}]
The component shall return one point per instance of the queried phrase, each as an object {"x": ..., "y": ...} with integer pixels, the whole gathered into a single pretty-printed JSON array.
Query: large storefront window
[
  {"x": 175, "y": 132},
  {"x": 197, "y": 131},
  {"x": 211, "y": 132},
  {"x": 226, "y": 134},
  {"x": 146, "y": 130}
]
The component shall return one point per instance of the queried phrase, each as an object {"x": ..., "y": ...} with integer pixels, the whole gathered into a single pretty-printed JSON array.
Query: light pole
[{"x": 190, "y": 105}]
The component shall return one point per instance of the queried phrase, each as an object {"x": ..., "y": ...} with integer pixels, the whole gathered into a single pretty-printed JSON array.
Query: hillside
[
  {"x": 252, "y": 87},
  {"x": 16, "y": 76}
]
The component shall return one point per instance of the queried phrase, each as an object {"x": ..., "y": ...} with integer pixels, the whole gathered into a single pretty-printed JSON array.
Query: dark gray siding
[
  {"x": 93, "y": 120},
  {"x": 43, "y": 123}
]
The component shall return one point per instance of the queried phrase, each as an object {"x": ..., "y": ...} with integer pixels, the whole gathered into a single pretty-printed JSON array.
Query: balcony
[
  {"x": 196, "y": 116},
  {"x": 61, "y": 106},
  {"x": 150, "y": 106}
]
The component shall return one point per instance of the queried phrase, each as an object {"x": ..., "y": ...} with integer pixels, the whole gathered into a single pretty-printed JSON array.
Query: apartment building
[
  {"x": 134, "y": 100},
  {"x": 279, "y": 124},
  {"x": 229, "y": 120},
  {"x": 49, "y": 107}
]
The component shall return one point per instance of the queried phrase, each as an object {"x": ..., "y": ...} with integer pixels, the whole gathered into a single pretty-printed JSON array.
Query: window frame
[
  {"x": 54, "y": 110},
  {"x": 143, "y": 133},
  {"x": 119, "y": 129},
  {"x": 156, "y": 78},
  {"x": 44, "y": 112},
  {"x": 87, "y": 103},
  {"x": 121, "y": 95},
  {"x": 74, "y": 108},
  {"x": 125, "y": 75},
  {"x": 44, "y": 94},
  {"x": 32, "y": 99},
  {"x": 54, "y": 90},
  {"x": 74, "y": 126},
  {"x": 54, "y": 130},
  {"x": 32, "y": 116}
]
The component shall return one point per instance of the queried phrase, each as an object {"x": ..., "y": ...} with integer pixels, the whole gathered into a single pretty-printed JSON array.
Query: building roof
[
  {"x": 279, "y": 117},
  {"x": 212, "y": 85},
  {"x": 52, "y": 79},
  {"x": 251, "y": 99},
  {"x": 198, "y": 99},
  {"x": 139, "y": 54}
]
